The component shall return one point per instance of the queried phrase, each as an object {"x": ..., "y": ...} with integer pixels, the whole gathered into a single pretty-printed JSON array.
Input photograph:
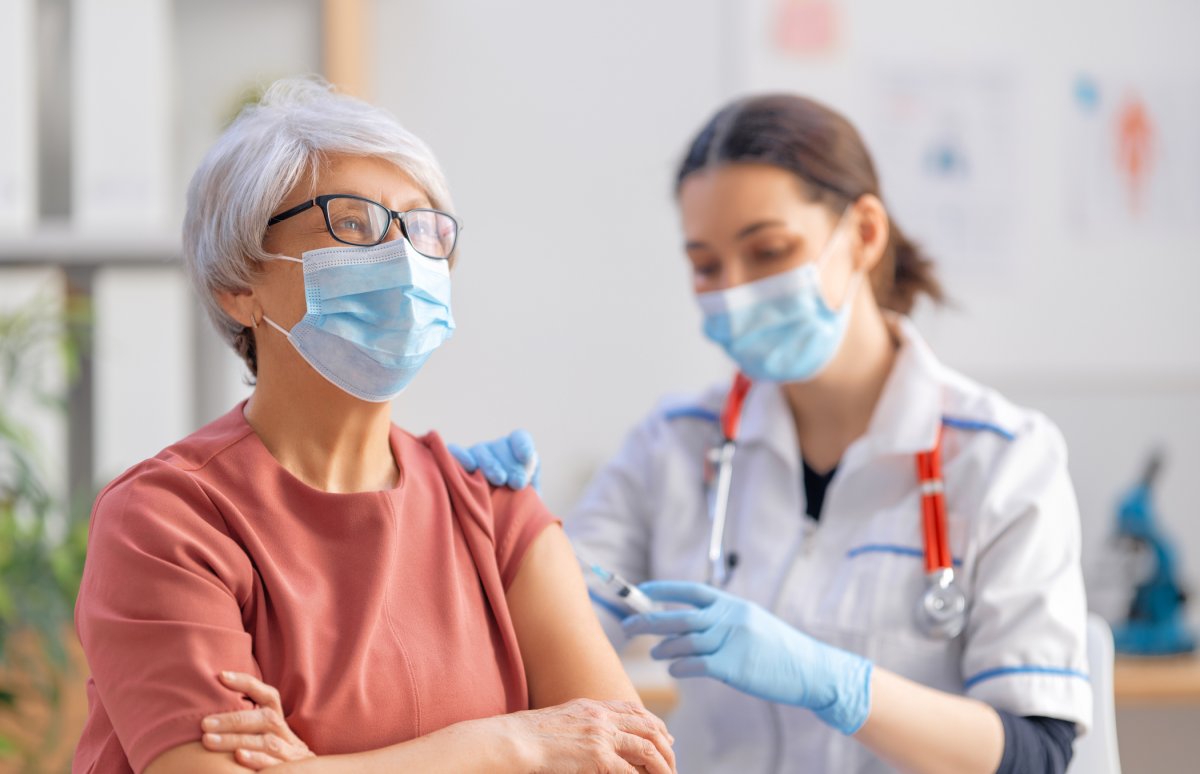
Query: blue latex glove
[
  {"x": 744, "y": 646},
  {"x": 504, "y": 461}
]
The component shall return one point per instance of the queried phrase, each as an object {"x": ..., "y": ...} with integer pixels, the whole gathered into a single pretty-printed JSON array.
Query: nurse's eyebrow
[
  {"x": 758, "y": 226},
  {"x": 745, "y": 232}
]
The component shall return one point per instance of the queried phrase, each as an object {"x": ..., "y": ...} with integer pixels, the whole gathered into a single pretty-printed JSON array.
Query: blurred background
[{"x": 1047, "y": 154}]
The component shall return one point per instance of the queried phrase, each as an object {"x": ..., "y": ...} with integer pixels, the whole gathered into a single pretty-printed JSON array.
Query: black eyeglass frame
[{"x": 399, "y": 217}]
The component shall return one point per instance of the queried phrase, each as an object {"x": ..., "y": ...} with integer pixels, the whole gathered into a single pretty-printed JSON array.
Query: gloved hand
[
  {"x": 744, "y": 646},
  {"x": 504, "y": 461}
]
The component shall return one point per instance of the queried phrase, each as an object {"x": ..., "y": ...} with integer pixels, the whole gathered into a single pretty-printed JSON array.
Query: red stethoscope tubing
[
  {"x": 731, "y": 417},
  {"x": 929, "y": 475},
  {"x": 933, "y": 508}
]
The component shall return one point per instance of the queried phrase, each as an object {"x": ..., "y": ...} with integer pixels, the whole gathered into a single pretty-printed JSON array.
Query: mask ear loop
[
  {"x": 839, "y": 231},
  {"x": 276, "y": 326},
  {"x": 266, "y": 319},
  {"x": 856, "y": 278},
  {"x": 852, "y": 288}
]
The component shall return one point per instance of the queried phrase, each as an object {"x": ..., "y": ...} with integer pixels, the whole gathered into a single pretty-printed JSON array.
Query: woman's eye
[
  {"x": 350, "y": 224},
  {"x": 707, "y": 270}
]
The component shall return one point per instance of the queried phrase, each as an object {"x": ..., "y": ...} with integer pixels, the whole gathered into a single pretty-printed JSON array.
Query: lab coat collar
[
  {"x": 767, "y": 419},
  {"x": 906, "y": 420},
  {"x": 908, "y": 416}
]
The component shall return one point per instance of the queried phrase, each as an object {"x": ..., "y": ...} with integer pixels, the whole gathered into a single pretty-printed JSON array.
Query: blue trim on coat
[
  {"x": 888, "y": 548},
  {"x": 691, "y": 412},
  {"x": 974, "y": 424},
  {"x": 989, "y": 674}
]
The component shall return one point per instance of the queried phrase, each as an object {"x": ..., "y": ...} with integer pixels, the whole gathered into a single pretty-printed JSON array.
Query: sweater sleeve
[
  {"x": 158, "y": 610},
  {"x": 1035, "y": 745},
  {"x": 520, "y": 518}
]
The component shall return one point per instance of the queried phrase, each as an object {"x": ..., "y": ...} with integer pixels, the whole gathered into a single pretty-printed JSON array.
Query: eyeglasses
[{"x": 355, "y": 220}]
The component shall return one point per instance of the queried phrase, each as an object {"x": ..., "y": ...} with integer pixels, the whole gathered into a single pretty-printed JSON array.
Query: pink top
[{"x": 379, "y": 616}]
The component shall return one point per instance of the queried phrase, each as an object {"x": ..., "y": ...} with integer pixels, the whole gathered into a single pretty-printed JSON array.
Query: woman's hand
[
  {"x": 586, "y": 736},
  {"x": 565, "y": 739},
  {"x": 258, "y": 738}
]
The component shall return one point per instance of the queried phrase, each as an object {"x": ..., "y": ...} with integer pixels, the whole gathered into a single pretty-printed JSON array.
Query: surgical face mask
[
  {"x": 375, "y": 315},
  {"x": 780, "y": 329}
]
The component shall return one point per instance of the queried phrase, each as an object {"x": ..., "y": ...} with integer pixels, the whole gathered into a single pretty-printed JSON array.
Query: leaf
[{"x": 40, "y": 564}]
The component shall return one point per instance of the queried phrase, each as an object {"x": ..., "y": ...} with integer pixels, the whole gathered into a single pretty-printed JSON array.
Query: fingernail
[
  {"x": 227, "y": 675},
  {"x": 209, "y": 723},
  {"x": 212, "y": 738}
]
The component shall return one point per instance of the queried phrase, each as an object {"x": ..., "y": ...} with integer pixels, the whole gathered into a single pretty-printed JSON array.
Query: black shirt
[{"x": 815, "y": 485}]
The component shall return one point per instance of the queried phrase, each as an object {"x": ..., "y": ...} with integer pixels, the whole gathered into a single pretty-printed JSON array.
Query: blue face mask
[
  {"x": 375, "y": 315},
  {"x": 780, "y": 329}
]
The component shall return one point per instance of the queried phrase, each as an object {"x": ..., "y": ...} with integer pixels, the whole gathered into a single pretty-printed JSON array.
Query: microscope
[{"x": 1156, "y": 625}]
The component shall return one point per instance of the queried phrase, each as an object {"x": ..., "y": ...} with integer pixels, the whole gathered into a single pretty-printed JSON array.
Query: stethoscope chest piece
[{"x": 942, "y": 609}]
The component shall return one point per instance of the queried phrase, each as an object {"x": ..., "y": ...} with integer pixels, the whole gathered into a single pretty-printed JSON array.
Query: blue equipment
[{"x": 1156, "y": 625}]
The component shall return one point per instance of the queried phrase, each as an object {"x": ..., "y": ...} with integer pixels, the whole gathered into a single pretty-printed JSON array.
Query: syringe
[{"x": 620, "y": 591}]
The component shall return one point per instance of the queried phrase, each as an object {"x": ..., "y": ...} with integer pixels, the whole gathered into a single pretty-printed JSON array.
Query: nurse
[{"x": 898, "y": 581}]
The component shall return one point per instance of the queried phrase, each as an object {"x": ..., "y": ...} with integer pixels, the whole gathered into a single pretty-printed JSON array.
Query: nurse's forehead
[{"x": 735, "y": 201}]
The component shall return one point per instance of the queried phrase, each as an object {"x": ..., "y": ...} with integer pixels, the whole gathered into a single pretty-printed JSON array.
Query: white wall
[
  {"x": 148, "y": 392},
  {"x": 560, "y": 124},
  {"x": 1094, "y": 325}
]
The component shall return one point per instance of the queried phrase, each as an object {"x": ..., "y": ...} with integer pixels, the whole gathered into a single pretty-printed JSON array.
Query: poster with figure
[
  {"x": 806, "y": 28},
  {"x": 944, "y": 141},
  {"x": 1132, "y": 156}
]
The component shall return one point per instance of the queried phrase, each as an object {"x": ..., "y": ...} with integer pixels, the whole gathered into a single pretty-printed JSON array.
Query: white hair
[{"x": 269, "y": 149}]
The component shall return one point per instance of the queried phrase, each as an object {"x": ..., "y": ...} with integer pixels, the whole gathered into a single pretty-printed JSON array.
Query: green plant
[{"x": 42, "y": 537}]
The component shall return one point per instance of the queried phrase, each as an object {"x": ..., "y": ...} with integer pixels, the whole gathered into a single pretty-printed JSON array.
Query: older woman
[{"x": 408, "y": 615}]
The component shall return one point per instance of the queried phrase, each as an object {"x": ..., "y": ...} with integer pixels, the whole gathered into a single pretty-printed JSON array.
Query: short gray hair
[{"x": 269, "y": 149}]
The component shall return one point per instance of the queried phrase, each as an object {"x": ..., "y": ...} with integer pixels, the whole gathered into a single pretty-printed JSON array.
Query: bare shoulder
[
  {"x": 192, "y": 758},
  {"x": 566, "y": 654}
]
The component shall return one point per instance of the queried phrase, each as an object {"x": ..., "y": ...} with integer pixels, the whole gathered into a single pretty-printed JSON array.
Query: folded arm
[{"x": 586, "y": 710}]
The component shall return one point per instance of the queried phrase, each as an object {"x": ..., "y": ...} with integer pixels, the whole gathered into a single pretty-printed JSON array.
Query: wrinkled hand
[
  {"x": 511, "y": 461},
  {"x": 744, "y": 646},
  {"x": 589, "y": 736},
  {"x": 258, "y": 738}
]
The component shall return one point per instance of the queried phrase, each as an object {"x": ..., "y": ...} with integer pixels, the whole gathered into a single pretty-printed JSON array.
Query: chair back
[{"x": 1096, "y": 751}]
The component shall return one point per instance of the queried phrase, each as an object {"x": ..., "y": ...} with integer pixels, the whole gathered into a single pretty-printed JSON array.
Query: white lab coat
[{"x": 853, "y": 579}]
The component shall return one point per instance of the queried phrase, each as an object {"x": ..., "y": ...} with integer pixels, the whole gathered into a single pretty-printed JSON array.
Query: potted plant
[{"x": 42, "y": 539}]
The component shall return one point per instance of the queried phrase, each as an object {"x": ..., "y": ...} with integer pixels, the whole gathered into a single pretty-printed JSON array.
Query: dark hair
[{"x": 825, "y": 152}]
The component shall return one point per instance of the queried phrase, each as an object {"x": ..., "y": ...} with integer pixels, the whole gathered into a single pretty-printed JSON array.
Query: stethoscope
[{"x": 941, "y": 609}]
